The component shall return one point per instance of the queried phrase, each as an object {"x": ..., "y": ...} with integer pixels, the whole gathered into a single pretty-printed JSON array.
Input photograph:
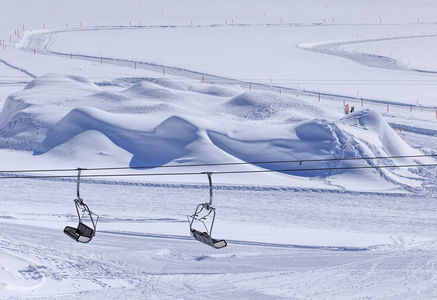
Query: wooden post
[
  {"x": 71, "y": 55},
  {"x": 203, "y": 78},
  {"x": 361, "y": 101},
  {"x": 280, "y": 91},
  {"x": 101, "y": 60},
  {"x": 12, "y": 145},
  {"x": 319, "y": 97},
  {"x": 135, "y": 66},
  {"x": 411, "y": 107},
  {"x": 163, "y": 71},
  {"x": 387, "y": 108},
  {"x": 250, "y": 86}
]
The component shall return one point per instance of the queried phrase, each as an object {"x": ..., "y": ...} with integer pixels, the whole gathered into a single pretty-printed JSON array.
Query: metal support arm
[
  {"x": 79, "y": 199},
  {"x": 210, "y": 190}
]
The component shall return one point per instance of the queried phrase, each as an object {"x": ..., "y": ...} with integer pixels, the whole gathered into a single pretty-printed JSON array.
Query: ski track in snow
[
  {"x": 41, "y": 42},
  {"x": 370, "y": 60},
  {"x": 245, "y": 243},
  {"x": 155, "y": 270},
  {"x": 17, "y": 68}
]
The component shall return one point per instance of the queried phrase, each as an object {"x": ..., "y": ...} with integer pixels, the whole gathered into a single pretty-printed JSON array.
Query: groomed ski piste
[{"x": 146, "y": 98}]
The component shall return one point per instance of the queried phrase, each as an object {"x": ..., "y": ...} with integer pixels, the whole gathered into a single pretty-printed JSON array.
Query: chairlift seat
[
  {"x": 82, "y": 233},
  {"x": 207, "y": 239}
]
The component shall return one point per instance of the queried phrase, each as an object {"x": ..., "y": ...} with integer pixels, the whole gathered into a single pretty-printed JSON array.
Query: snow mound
[
  {"x": 365, "y": 134},
  {"x": 310, "y": 140},
  {"x": 54, "y": 80},
  {"x": 162, "y": 122},
  {"x": 167, "y": 89},
  {"x": 254, "y": 106},
  {"x": 217, "y": 90},
  {"x": 91, "y": 145},
  {"x": 150, "y": 90},
  {"x": 158, "y": 147},
  {"x": 265, "y": 105},
  {"x": 172, "y": 84},
  {"x": 384, "y": 137}
]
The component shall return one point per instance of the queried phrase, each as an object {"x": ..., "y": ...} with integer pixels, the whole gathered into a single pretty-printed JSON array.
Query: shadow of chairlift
[
  {"x": 201, "y": 214},
  {"x": 82, "y": 233}
]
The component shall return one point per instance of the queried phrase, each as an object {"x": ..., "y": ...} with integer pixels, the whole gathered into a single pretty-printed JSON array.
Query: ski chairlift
[
  {"x": 83, "y": 233},
  {"x": 202, "y": 212}
]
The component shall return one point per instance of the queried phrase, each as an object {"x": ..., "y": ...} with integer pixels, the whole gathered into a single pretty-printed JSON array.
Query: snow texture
[{"x": 219, "y": 86}]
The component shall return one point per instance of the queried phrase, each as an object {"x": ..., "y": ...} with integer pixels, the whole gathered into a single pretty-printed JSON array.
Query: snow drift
[{"x": 157, "y": 122}]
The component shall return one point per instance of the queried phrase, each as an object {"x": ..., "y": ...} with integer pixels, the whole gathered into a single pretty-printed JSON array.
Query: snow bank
[{"x": 157, "y": 122}]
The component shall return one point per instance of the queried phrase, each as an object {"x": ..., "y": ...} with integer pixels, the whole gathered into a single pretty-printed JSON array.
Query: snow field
[
  {"x": 83, "y": 86},
  {"x": 162, "y": 257}
]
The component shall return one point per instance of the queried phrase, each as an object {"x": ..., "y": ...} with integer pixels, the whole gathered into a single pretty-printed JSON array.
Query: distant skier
[{"x": 352, "y": 108}]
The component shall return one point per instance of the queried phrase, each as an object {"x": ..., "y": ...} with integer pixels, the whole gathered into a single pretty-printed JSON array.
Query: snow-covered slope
[
  {"x": 177, "y": 83},
  {"x": 163, "y": 122}
]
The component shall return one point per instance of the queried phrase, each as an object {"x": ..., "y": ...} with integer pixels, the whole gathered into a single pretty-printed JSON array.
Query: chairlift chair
[
  {"x": 82, "y": 233},
  {"x": 202, "y": 212}
]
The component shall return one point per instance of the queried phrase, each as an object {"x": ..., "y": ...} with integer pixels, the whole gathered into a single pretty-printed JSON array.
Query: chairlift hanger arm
[
  {"x": 79, "y": 199},
  {"x": 210, "y": 189}
]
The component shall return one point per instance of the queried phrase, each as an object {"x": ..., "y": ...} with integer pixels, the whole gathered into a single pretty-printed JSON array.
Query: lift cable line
[
  {"x": 218, "y": 172},
  {"x": 219, "y": 164}
]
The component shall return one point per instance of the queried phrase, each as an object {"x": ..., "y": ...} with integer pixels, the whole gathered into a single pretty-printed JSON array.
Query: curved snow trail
[
  {"x": 370, "y": 60},
  {"x": 18, "y": 68},
  {"x": 245, "y": 243},
  {"x": 41, "y": 41}
]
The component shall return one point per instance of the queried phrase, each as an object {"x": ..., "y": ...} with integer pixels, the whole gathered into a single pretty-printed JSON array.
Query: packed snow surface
[{"x": 156, "y": 94}]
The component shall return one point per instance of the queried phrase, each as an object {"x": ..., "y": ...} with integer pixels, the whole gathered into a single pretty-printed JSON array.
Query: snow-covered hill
[
  {"x": 164, "y": 122},
  {"x": 189, "y": 87}
]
